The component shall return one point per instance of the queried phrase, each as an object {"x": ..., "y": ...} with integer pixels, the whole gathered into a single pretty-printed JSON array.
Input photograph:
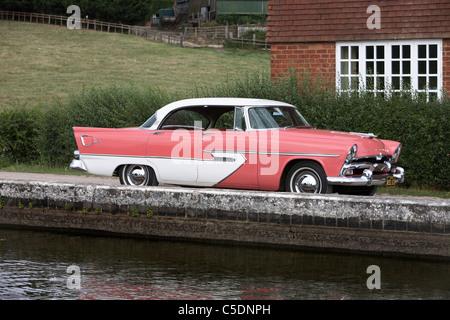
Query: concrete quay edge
[{"x": 374, "y": 225}]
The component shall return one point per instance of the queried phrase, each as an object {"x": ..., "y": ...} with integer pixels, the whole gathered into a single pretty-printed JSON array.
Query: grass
[
  {"x": 413, "y": 192},
  {"x": 39, "y": 63}
]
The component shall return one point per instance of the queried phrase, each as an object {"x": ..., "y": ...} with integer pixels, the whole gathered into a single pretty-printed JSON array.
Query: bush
[
  {"x": 18, "y": 133},
  {"x": 112, "y": 108}
]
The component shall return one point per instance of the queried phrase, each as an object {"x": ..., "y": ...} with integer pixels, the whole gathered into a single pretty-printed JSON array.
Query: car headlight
[
  {"x": 396, "y": 153},
  {"x": 351, "y": 154}
]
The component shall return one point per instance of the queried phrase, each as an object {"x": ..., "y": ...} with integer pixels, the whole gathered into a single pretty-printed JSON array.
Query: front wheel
[
  {"x": 137, "y": 175},
  {"x": 307, "y": 177}
]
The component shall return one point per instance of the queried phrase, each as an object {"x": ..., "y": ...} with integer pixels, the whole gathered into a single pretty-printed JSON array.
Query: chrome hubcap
[
  {"x": 137, "y": 175},
  {"x": 307, "y": 182}
]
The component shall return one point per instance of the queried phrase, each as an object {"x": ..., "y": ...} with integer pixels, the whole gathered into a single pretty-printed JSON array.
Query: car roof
[{"x": 218, "y": 102}]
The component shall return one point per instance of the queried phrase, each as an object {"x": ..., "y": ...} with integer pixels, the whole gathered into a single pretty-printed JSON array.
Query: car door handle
[{"x": 158, "y": 132}]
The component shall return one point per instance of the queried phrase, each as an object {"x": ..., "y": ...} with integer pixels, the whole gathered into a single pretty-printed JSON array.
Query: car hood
[{"x": 368, "y": 144}]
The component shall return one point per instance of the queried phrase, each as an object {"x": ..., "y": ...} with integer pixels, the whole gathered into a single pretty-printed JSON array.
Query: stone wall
[{"x": 377, "y": 225}]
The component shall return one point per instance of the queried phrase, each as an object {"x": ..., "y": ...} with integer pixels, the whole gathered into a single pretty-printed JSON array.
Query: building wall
[
  {"x": 304, "y": 33},
  {"x": 242, "y": 7},
  {"x": 316, "y": 58},
  {"x": 446, "y": 65}
]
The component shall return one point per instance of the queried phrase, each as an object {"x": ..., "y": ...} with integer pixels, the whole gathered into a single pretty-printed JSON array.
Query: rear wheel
[
  {"x": 307, "y": 177},
  {"x": 137, "y": 175}
]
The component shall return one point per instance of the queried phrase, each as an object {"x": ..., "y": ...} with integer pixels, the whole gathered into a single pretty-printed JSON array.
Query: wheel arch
[{"x": 289, "y": 165}]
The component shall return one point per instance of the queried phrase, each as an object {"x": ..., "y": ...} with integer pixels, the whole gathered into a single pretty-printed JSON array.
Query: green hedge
[
  {"x": 18, "y": 134},
  {"x": 46, "y": 136}
]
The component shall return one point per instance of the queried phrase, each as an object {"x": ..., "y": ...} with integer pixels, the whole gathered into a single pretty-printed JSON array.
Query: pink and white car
[{"x": 238, "y": 143}]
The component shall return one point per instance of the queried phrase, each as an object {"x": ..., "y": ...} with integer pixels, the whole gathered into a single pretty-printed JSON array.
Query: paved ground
[
  {"x": 59, "y": 178},
  {"x": 91, "y": 179}
]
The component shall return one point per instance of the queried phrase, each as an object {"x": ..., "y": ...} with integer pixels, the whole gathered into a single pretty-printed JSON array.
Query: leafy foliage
[{"x": 135, "y": 12}]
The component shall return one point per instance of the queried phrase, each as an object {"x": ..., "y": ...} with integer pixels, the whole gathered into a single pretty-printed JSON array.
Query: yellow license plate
[{"x": 390, "y": 181}]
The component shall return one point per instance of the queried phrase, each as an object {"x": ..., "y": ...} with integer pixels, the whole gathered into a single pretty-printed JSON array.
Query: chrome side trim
[{"x": 277, "y": 153}]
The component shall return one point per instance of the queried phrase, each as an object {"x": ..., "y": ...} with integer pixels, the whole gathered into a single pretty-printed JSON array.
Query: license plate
[{"x": 390, "y": 181}]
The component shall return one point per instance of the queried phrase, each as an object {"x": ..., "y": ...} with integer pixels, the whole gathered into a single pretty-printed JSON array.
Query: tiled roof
[{"x": 334, "y": 20}]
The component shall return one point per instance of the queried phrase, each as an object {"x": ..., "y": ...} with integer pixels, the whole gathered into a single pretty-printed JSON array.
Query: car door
[
  {"x": 229, "y": 155},
  {"x": 174, "y": 149}
]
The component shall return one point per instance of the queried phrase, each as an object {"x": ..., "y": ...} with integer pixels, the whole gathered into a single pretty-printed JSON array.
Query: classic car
[{"x": 238, "y": 143}]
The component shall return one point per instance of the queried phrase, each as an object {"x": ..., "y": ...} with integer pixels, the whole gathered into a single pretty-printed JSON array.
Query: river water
[{"x": 38, "y": 265}]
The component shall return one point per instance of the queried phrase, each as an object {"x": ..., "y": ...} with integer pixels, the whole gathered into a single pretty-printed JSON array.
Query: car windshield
[{"x": 275, "y": 117}]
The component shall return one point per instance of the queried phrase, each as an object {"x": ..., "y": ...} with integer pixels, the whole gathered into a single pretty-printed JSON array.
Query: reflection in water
[{"x": 33, "y": 265}]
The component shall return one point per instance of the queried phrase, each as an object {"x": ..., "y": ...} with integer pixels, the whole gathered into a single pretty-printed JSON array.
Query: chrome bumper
[
  {"x": 77, "y": 164},
  {"x": 374, "y": 174}
]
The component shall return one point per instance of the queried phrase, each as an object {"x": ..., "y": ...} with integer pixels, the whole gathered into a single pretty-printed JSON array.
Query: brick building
[{"x": 371, "y": 45}]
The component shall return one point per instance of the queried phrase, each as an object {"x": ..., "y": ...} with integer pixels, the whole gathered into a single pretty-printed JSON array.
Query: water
[{"x": 34, "y": 266}]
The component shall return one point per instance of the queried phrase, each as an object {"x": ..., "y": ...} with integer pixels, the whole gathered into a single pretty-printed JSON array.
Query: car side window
[
  {"x": 185, "y": 119},
  {"x": 225, "y": 121}
]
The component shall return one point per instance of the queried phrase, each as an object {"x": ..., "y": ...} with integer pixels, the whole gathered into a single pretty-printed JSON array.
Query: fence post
[{"x": 181, "y": 40}]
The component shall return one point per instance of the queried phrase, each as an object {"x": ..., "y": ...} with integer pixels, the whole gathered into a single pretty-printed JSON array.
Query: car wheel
[
  {"x": 137, "y": 175},
  {"x": 307, "y": 177}
]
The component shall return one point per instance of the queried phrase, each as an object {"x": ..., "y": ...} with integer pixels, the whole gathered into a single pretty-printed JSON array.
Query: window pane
[
  {"x": 355, "y": 83},
  {"x": 422, "y": 51},
  {"x": 355, "y": 67},
  {"x": 355, "y": 52},
  {"x": 380, "y": 67},
  {"x": 406, "y": 83},
  {"x": 380, "y": 52},
  {"x": 380, "y": 83},
  {"x": 433, "y": 83},
  {"x": 369, "y": 83},
  {"x": 432, "y": 67},
  {"x": 422, "y": 83},
  {"x": 433, "y": 51},
  {"x": 344, "y": 83},
  {"x": 344, "y": 52},
  {"x": 406, "y": 67},
  {"x": 406, "y": 51},
  {"x": 369, "y": 52},
  {"x": 370, "y": 67},
  {"x": 395, "y": 52},
  {"x": 422, "y": 67},
  {"x": 395, "y": 67},
  {"x": 344, "y": 67},
  {"x": 433, "y": 96},
  {"x": 396, "y": 83}
]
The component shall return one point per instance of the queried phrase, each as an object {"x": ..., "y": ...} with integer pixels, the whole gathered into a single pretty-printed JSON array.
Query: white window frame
[{"x": 386, "y": 87}]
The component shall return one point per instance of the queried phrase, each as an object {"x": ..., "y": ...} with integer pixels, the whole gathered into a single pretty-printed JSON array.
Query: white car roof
[{"x": 233, "y": 102}]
